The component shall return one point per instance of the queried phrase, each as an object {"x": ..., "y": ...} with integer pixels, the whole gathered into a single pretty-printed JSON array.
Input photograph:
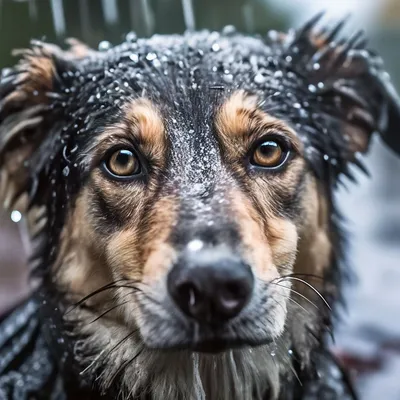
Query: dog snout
[{"x": 211, "y": 286}]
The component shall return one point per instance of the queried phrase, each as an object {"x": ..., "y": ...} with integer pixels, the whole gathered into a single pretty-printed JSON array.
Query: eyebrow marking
[
  {"x": 145, "y": 120},
  {"x": 240, "y": 116},
  {"x": 140, "y": 125}
]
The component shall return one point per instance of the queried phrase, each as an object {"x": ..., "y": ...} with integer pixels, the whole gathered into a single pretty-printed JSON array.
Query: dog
[{"x": 179, "y": 196}]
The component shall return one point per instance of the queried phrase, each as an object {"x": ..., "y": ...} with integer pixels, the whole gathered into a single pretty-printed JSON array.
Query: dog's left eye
[
  {"x": 122, "y": 163},
  {"x": 270, "y": 154}
]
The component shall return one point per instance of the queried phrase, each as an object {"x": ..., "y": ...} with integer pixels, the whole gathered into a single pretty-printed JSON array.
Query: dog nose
[{"x": 210, "y": 286}]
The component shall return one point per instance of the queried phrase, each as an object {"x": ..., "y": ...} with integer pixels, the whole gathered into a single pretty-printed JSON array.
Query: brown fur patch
[
  {"x": 141, "y": 125},
  {"x": 240, "y": 121},
  {"x": 268, "y": 246},
  {"x": 148, "y": 124},
  {"x": 315, "y": 247}
]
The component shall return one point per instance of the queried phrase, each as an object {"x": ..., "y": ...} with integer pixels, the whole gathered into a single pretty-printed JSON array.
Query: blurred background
[{"x": 368, "y": 338}]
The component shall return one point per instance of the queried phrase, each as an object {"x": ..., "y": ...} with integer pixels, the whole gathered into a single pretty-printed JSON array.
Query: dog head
[{"x": 185, "y": 182}]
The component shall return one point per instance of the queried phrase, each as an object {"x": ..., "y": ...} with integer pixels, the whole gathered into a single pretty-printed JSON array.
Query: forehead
[{"x": 188, "y": 74}]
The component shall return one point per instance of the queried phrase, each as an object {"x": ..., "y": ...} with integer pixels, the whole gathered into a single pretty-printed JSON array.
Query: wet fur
[{"x": 61, "y": 110}]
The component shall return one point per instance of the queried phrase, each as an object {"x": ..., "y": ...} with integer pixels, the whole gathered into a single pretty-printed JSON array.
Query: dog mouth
[
  {"x": 219, "y": 345},
  {"x": 212, "y": 345}
]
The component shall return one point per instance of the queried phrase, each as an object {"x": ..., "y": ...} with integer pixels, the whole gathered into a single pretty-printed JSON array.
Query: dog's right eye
[{"x": 122, "y": 163}]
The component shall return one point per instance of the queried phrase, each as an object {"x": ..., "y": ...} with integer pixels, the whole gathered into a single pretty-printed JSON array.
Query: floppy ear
[
  {"x": 349, "y": 82},
  {"x": 27, "y": 93}
]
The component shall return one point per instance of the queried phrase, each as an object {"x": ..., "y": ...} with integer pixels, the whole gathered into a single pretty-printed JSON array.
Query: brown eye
[
  {"x": 269, "y": 154},
  {"x": 123, "y": 163}
]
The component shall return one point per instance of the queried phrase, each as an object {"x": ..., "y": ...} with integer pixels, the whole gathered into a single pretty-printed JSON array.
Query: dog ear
[
  {"x": 27, "y": 92},
  {"x": 348, "y": 81}
]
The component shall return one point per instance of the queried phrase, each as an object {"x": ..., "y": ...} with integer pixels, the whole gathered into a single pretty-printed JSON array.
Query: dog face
[{"x": 190, "y": 178}]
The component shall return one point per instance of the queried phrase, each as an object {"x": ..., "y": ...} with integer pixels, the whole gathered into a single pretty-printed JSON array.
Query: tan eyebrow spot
[
  {"x": 141, "y": 123},
  {"x": 145, "y": 119},
  {"x": 233, "y": 118},
  {"x": 241, "y": 115}
]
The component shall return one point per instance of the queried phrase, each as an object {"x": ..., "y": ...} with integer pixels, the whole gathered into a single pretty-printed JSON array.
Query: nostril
[
  {"x": 233, "y": 296},
  {"x": 189, "y": 298}
]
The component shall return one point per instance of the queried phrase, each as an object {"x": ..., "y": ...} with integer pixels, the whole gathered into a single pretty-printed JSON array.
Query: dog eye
[
  {"x": 122, "y": 163},
  {"x": 270, "y": 154}
]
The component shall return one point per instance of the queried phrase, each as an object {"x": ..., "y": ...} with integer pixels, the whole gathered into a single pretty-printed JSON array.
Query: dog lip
[{"x": 212, "y": 345}]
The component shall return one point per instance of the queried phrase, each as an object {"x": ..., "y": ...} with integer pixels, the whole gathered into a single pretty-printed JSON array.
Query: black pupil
[
  {"x": 269, "y": 148},
  {"x": 124, "y": 157}
]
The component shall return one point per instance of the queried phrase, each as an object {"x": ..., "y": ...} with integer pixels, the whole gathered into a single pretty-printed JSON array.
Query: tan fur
[
  {"x": 146, "y": 121},
  {"x": 239, "y": 119}
]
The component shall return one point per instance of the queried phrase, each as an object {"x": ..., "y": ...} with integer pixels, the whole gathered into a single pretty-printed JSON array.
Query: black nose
[{"x": 210, "y": 285}]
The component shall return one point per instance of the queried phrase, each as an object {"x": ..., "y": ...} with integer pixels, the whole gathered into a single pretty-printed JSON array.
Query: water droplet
[
  {"x": 191, "y": 131},
  {"x": 260, "y": 78},
  {"x": 320, "y": 85},
  {"x": 290, "y": 352},
  {"x": 278, "y": 74},
  {"x": 134, "y": 57},
  {"x": 16, "y": 216},
  {"x": 273, "y": 35},
  {"x": 151, "y": 56},
  {"x": 228, "y": 78},
  {"x": 228, "y": 30},
  {"x": 214, "y": 69},
  {"x": 316, "y": 66},
  {"x": 94, "y": 78},
  {"x": 131, "y": 37},
  {"x": 215, "y": 47},
  {"x": 326, "y": 157},
  {"x": 289, "y": 59},
  {"x": 195, "y": 245},
  {"x": 297, "y": 105},
  {"x": 312, "y": 88},
  {"x": 104, "y": 45},
  {"x": 157, "y": 63},
  {"x": 273, "y": 353},
  {"x": 66, "y": 171}
]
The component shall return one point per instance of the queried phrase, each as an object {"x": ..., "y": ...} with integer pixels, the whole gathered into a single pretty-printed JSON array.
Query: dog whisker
[{"x": 308, "y": 285}]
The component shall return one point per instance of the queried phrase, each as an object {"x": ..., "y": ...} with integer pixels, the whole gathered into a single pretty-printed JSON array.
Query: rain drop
[
  {"x": 215, "y": 47},
  {"x": 297, "y": 105},
  {"x": 104, "y": 45},
  {"x": 157, "y": 63},
  {"x": 228, "y": 30},
  {"x": 66, "y": 171},
  {"x": 316, "y": 66},
  {"x": 16, "y": 216},
  {"x": 228, "y": 78},
  {"x": 260, "y": 78},
  {"x": 131, "y": 37},
  {"x": 134, "y": 57},
  {"x": 278, "y": 74},
  {"x": 326, "y": 157},
  {"x": 195, "y": 245},
  {"x": 151, "y": 56},
  {"x": 289, "y": 59},
  {"x": 312, "y": 88},
  {"x": 320, "y": 85}
]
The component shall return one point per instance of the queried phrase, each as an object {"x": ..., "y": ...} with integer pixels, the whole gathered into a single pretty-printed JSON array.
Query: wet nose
[{"x": 211, "y": 286}]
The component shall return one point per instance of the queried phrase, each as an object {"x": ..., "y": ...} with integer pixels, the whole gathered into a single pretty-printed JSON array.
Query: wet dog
[{"x": 179, "y": 197}]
